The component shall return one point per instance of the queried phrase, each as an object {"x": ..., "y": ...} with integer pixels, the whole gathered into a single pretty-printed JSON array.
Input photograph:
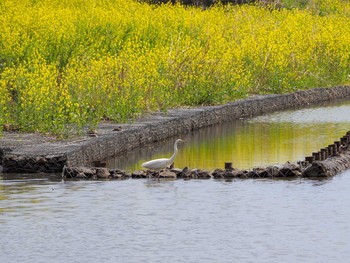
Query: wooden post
[
  {"x": 337, "y": 145},
  {"x": 228, "y": 166},
  {"x": 322, "y": 156},
  {"x": 343, "y": 140},
  {"x": 317, "y": 156},
  {"x": 324, "y": 153},
  {"x": 310, "y": 159},
  {"x": 330, "y": 150}
]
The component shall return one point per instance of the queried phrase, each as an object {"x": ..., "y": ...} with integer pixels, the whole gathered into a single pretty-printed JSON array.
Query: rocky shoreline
[{"x": 36, "y": 153}]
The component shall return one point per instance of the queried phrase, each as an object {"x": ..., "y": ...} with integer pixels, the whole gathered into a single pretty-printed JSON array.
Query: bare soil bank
[{"x": 36, "y": 153}]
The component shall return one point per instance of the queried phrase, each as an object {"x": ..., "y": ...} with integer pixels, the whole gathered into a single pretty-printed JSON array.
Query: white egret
[{"x": 159, "y": 164}]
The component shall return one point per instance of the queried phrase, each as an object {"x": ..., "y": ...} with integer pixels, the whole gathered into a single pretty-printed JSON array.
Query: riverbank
[{"x": 37, "y": 153}]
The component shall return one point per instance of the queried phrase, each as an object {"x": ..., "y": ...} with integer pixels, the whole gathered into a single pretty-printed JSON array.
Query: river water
[
  {"x": 265, "y": 140},
  {"x": 175, "y": 221},
  {"x": 142, "y": 220}
]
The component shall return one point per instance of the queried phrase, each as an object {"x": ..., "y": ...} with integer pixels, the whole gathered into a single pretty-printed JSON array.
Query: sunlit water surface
[{"x": 143, "y": 220}]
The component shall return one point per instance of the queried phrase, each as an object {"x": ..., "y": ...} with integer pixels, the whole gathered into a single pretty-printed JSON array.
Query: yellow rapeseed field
[{"x": 67, "y": 64}]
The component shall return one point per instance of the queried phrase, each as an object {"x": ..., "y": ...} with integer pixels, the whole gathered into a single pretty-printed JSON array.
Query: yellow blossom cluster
[{"x": 67, "y": 64}]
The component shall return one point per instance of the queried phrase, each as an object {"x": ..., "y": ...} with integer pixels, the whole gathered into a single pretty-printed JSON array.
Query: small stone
[
  {"x": 92, "y": 133},
  {"x": 119, "y": 128},
  {"x": 102, "y": 173},
  {"x": 139, "y": 174},
  {"x": 167, "y": 174}
]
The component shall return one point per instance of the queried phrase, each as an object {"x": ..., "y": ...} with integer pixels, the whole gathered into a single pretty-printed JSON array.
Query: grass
[{"x": 66, "y": 65}]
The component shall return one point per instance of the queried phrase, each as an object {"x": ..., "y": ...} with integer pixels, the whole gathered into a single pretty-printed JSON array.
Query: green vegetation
[{"x": 67, "y": 64}]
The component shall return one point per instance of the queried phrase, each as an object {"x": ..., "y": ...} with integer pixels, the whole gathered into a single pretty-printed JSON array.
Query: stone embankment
[
  {"x": 36, "y": 153},
  {"x": 322, "y": 164}
]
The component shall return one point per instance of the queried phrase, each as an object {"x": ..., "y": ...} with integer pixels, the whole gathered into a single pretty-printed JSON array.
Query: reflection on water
[
  {"x": 175, "y": 221},
  {"x": 269, "y": 139}
]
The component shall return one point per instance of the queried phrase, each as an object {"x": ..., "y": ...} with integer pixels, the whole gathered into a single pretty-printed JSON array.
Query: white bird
[{"x": 159, "y": 164}]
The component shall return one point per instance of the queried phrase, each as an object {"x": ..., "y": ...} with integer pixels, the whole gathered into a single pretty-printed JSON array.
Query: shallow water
[
  {"x": 260, "y": 141},
  {"x": 175, "y": 221}
]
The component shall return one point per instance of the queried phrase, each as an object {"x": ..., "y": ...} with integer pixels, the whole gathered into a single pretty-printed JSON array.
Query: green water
[{"x": 260, "y": 141}]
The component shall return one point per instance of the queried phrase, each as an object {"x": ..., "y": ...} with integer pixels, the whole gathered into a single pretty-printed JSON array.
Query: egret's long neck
[{"x": 172, "y": 158}]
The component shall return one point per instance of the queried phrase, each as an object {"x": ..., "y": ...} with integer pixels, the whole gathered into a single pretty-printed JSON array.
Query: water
[
  {"x": 48, "y": 219},
  {"x": 175, "y": 221},
  {"x": 264, "y": 140}
]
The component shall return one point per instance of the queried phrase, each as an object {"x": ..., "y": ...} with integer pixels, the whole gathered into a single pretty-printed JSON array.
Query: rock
[
  {"x": 181, "y": 173},
  {"x": 272, "y": 171},
  {"x": 102, "y": 173},
  {"x": 78, "y": 172},
  {"x": 203, "y": 174},
  {"x": 227, "y": 173},
  {"x": 290, "y": 170},
  {"x": 198, "y": 174},
  {"x": 40, "y": 160},
  {"x": 167, "y": 174},
  {"x": 92, "y": 133},
  {"x": 251, "y": 174},
  {"x": 118, "y": 174},
  {"x": 119, "y": 128},
  {"x": 218, "y": 174},
  {"x": 230, "y": 174},
  {"x": 139, "y": 174}
]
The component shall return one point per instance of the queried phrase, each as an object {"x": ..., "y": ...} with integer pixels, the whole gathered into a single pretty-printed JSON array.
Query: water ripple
[{"x": 176, "y": 221}]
